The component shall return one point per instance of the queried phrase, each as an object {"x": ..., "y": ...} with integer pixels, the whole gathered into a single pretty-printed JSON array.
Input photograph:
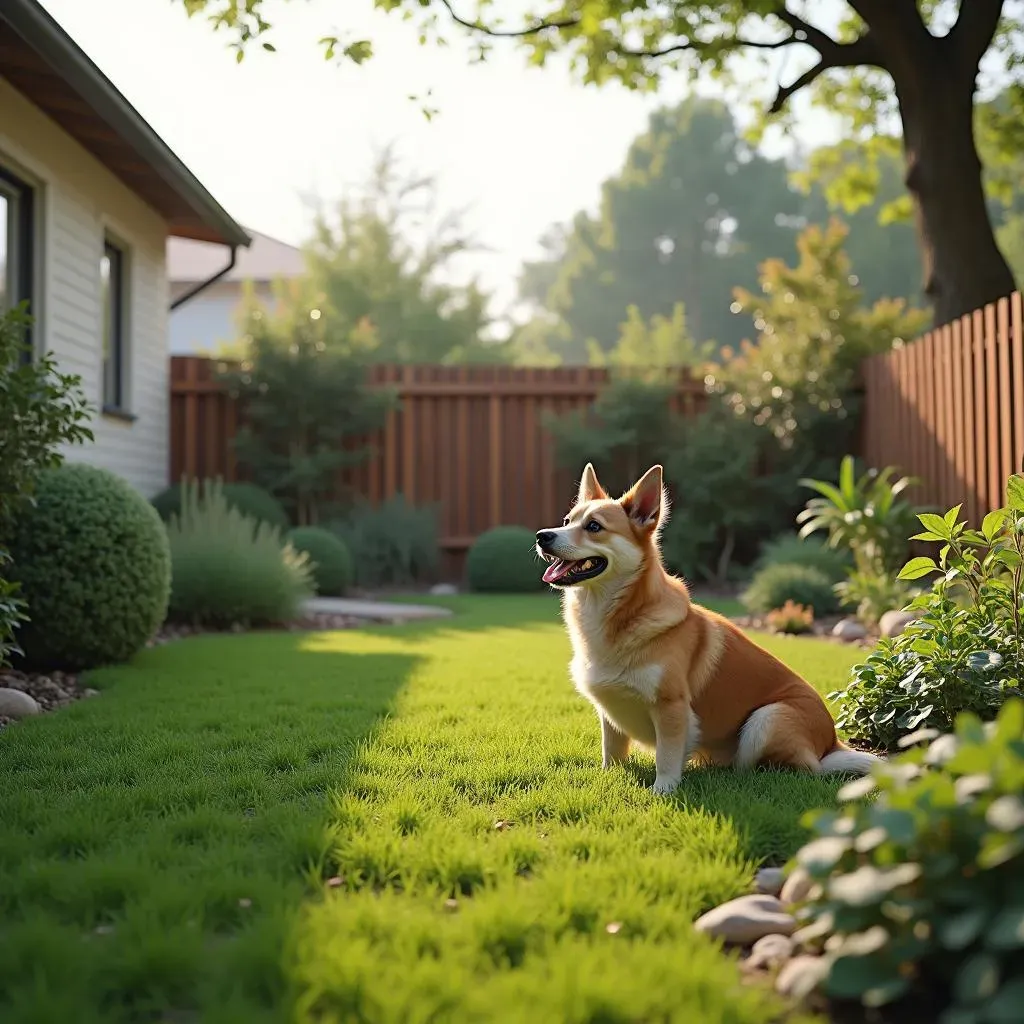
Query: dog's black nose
[{"x": 545, "y": 538}]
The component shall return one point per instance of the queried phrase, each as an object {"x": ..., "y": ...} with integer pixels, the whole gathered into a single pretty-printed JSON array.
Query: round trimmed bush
[
  {"x": 330, "y": 558},
  {"x": 249, "y": 499},
  {"x": 94, "y": 565},
  {"x": 502, "y": 561},
  {"x": 774, "y": 585}
]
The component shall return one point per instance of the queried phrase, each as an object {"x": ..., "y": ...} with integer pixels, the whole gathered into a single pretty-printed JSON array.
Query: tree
[
  {"x": 381, "y": 264},
  {"x": 688, "y": 217},
  {"x": 656, "y": 241},
  {"x": 914, "y": 63},
  {"x": 302, "y": 385},
  {"x": 665, "y": 343}
]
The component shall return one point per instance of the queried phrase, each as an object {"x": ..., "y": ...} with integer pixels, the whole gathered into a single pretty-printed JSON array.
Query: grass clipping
[{"x": 227, "y": 568}]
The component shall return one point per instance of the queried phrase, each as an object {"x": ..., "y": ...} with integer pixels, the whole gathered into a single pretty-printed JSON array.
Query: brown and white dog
[{"x": 665, "y": 672}]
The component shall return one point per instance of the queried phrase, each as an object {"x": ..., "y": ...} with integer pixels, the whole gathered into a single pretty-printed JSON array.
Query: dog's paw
[{"x": 665, "y": 784}]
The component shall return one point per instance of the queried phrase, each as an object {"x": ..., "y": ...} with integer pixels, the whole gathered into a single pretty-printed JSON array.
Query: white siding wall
[{"x": 78, "y": 201}]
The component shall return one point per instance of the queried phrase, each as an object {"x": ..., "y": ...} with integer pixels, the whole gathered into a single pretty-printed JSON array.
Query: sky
[{"x": 519, "y": 149}]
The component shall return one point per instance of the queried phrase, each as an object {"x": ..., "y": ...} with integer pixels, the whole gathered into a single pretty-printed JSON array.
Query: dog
[{"x": 662, "y": 671}]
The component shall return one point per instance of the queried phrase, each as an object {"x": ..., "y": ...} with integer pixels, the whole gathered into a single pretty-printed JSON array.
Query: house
[
  {"x": 89, "y": 195},
  {"x": 204, "y": 322}
]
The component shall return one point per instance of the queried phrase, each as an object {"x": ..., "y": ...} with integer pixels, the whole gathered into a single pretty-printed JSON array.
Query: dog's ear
[
  {"x": 590, "y": 486},
  {"x": 645, "y": 501}
]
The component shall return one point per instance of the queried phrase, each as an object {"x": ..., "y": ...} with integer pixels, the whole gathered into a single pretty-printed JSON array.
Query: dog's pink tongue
[{"x": 556, "y": 570}]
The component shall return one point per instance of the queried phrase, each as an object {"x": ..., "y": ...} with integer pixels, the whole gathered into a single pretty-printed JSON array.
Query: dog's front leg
[
  {"x": 614, "y": 744},
  {"x": 672, "y": 743}
]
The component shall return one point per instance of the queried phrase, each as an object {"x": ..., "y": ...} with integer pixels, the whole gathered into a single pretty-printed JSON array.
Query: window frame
[
  {"x": 114, "y": 302},
  {"x": 20, "y": 248}
]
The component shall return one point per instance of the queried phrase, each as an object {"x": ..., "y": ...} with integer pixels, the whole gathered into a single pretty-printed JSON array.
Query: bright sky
[{"x": 522, "y": 148}]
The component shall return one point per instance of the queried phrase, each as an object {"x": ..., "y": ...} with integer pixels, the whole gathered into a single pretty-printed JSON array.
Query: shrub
[
  {"x": 91, "y": 556},
  {"x": 964, "y": 652},
  {"x": 502, "y": 561},
  {"x": 872, "y": 594},
  {"x": 394, "y": 544},
  {"x": 228, "y": 568},
  {"x": 918, "y": 892},
  {"x": 792, "y": 549},
  {"x": 791, "y": 618},
  {"x": 864, "y": 515},
  {"x": 774, "y": 585},
  {"x": 329, "y": 558},
  {"x": 40, "y": 410},
  {"x": 250, "y": 500}
]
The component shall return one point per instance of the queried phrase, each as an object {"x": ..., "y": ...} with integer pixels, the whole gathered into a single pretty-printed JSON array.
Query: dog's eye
[
  {"x": 593, "y": 526},
  {"x": 565, "y": 521}
]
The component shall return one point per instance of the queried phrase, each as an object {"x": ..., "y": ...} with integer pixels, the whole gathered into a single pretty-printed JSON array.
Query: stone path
[{"x": 382, "y": 610}]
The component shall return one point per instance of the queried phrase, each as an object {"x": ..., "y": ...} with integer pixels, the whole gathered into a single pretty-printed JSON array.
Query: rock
[
  {"x": 849, "y": 630},
  {"x": 770, "y": 951},
  {"x": 444, "y": 590},
  {"x": 796, "y": 888},
  {"x": 746, "y": 919},
  {"x": 893, "y": 623},
  {"x": 90, "y": 692},
  {"x": 15, "y": 704},
  {"x": 769, "y": 881},
  {"x": 800, "y": 976}
]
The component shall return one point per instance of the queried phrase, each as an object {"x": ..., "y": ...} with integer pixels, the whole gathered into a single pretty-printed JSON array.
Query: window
[
  {"x": 16, "y": 242},
  {"x": 113, "y": 281}
]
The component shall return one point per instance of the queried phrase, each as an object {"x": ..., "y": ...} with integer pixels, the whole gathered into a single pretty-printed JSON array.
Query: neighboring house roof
[
  {"x": 45, "y": 64},
  {"x": 265, "y": 260}
]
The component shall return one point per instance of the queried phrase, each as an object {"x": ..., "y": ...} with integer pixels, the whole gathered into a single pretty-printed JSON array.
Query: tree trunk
[{"x": 963, "y": 267}]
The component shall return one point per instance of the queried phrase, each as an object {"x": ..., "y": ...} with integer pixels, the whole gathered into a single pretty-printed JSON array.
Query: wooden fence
[
  {"x": 949, "y": 409},
  {"x": 469, "y": 439}
]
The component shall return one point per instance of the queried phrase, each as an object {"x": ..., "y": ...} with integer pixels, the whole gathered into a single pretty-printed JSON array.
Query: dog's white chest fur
[{"x": 623, "y": 693}]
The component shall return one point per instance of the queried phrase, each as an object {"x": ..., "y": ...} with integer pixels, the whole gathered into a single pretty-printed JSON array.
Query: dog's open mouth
[{"x": 563, "y": 573}]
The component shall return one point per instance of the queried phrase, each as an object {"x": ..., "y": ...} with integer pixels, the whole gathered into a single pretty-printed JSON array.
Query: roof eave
[{"x": 46, "y": 36}]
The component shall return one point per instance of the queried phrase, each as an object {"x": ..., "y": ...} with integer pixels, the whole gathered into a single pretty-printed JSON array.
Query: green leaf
[
  {"x": 992, "y": 522},
  {"x": 869, "y": 885},
  {"x": 1007, "y": 1005},
  {"x": 937, "y": 525},
  {"x": 1015, "y": 493},
  {"x": 847, "y": 483},
  {"x": 916, "y": 568},
  {"x": 977, "y": 979},
  {"x": 952, "y": 515},
  {"x": 1006, "y": 814},
  {"x": 927, "y": 536},
  {"x": 852, "y": 977},
  {"x": 960, "y": 931},
  {"x": 1007, "y": 929}
]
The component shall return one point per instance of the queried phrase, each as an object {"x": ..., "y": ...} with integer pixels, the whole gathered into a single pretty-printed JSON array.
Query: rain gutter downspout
[{"x": 203, "y": 285}]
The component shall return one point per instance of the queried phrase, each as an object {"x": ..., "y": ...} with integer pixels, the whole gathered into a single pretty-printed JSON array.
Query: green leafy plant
[
  {"x": 864, "y": 515},
  {"x": 964, "y": 651},
  {"x": 329, "y": 558},
  {"x": 918, "y": 894},
  {"x": 229, "y": 569},
  {"x": 307, "y": 409},
  {"x": 41, "y": 409},
  {"x": 792, "y": 549},
  {"x": 91, "y": 556},
  {"x": 872, "y": 594},
  {"x": 791, "y": 618},
  {"x": 502, "y": 560},
  {"x": 774, "y": 585},
  {"x": 392, "y": 544},
  {"x": 251, "y": 500}
]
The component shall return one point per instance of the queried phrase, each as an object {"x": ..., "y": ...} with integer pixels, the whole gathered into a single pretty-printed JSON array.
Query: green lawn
[{"x": 165, "y": 847}]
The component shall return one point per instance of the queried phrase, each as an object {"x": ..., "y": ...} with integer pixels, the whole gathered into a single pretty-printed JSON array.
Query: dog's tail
[{"x": 844, "y": 759}]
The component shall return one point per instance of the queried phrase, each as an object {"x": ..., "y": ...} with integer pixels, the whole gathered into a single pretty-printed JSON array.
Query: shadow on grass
[
  {"x": 157, "y": 841},
  {"x": 764, "y": 805}
]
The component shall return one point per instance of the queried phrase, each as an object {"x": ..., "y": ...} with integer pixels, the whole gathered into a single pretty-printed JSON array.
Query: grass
[{"x": 165, "y": 847}]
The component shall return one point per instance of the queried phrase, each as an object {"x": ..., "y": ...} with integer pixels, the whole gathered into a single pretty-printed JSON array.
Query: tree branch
[
  {"x": 862, "y": 52},
  {"x": 833, "y": 54},
  {"x": 975, "y": 27}
]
